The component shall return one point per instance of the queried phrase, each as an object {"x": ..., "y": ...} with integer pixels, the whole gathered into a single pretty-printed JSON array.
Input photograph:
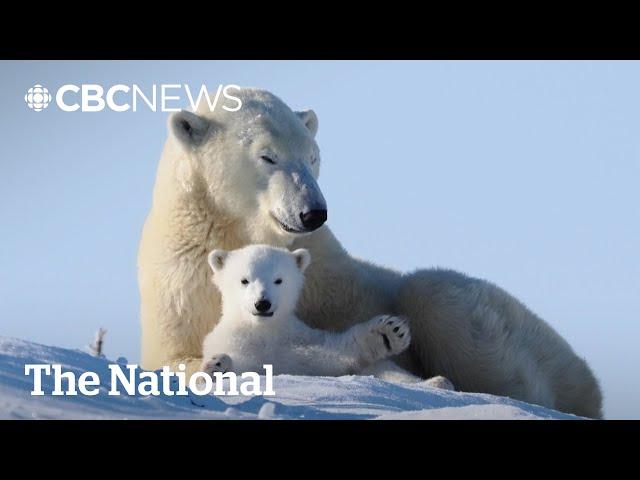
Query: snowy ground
[{"x": 296, "y": 397}]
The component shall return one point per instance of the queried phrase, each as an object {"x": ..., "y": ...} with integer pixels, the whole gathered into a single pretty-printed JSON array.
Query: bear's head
[
  {"x": 259, "y": 282},
  {"x": 259, "y": 164}
]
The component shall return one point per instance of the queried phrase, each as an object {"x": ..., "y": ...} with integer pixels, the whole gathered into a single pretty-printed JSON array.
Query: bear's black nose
[
  {"x": 313, "y": 219},
  {"x": 263, "y": 305}
]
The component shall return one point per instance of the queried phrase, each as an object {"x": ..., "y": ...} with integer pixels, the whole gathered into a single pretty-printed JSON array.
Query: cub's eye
[
  {"x": 278, "y": 281},
  {"x": 244, "y": 281},
  {"x": 268, "y": 159}
]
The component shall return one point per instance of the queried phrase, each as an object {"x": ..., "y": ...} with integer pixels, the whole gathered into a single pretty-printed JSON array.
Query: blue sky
[{"x": 522, "y": 173}]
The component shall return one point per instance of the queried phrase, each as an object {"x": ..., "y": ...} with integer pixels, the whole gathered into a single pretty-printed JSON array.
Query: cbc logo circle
[{"x": 37, "y": 98}]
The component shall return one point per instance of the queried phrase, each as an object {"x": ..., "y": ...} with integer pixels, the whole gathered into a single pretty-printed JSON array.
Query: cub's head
[
  {"x": 259, "y": 165},
  {"x": 259, "y": 282}
]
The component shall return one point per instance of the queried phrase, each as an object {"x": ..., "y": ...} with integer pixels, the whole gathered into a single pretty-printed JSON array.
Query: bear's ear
[
  {"x": 217, "y": 258},
  {"x": 310, "y": 120},
  {"x": 302, "y": 258},
  {"x": 190, "y": 129}
]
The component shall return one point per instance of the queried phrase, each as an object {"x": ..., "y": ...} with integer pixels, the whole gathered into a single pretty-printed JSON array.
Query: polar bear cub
[{"x": 260, "y": 286}]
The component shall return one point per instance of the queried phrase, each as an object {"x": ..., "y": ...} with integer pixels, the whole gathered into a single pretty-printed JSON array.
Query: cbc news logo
[
  {"x": 37, "y": 98},
  {"x": 122, "y": 98}
]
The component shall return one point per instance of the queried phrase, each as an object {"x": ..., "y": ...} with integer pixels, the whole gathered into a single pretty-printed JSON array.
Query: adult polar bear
[{"x": 228, "y": 179}]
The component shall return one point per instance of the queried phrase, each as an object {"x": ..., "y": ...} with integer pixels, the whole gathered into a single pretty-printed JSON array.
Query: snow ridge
[{"x": 297, "y": 397}]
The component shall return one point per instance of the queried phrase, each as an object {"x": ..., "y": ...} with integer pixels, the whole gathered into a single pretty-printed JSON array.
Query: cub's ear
[
  {"x": 302, "y": 258},
  {"x": 190, "y": 129},
  {"x": 310, "y": 120},
  {"x": 217, "y": 259}
]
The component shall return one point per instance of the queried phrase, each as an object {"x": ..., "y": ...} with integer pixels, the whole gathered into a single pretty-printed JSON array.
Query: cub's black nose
[
  {"x": 263, "y": 305},
  {"x": 313, "y": 219}
]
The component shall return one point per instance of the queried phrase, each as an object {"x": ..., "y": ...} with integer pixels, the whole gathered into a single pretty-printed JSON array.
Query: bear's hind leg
[
  {"x": 439, "y": 382},
  {"x": 389, "y": 371},
  {"x": 484, "y": 340}
]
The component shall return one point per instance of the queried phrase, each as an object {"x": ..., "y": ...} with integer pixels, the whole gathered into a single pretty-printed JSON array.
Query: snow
[{"x": 297, "y": 397}]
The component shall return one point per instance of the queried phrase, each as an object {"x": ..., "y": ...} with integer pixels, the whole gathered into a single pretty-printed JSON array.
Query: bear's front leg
[
  {"x": 381, "y": 337},
  {"x": 188, "y": 365},
  {"x": 217, "y": 363}
]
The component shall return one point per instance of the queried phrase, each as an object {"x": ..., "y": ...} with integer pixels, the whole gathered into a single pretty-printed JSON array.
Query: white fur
[
  {"x": 245, "y": 339},
  {"x": 213, "y": 191}
]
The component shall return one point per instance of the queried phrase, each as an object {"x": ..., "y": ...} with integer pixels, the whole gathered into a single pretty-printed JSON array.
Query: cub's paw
[
  {"x": 218, "y": 363},
  {"x": 391, "y": 334},
  {"x": 440, "y": 382}
]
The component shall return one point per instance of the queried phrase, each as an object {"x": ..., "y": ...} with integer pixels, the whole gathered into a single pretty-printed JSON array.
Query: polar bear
[
  {"x": 260, "y": 286},
  {"x": 229, "y": 179}
]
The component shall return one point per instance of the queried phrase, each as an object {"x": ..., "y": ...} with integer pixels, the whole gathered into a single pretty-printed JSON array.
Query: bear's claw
[
  {"x": 218, "y": 363},
  {"x": 394, "y": 332}
]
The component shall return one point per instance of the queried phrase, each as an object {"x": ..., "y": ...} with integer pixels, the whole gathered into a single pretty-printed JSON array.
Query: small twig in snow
[{"x": 96, "y": 346}]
